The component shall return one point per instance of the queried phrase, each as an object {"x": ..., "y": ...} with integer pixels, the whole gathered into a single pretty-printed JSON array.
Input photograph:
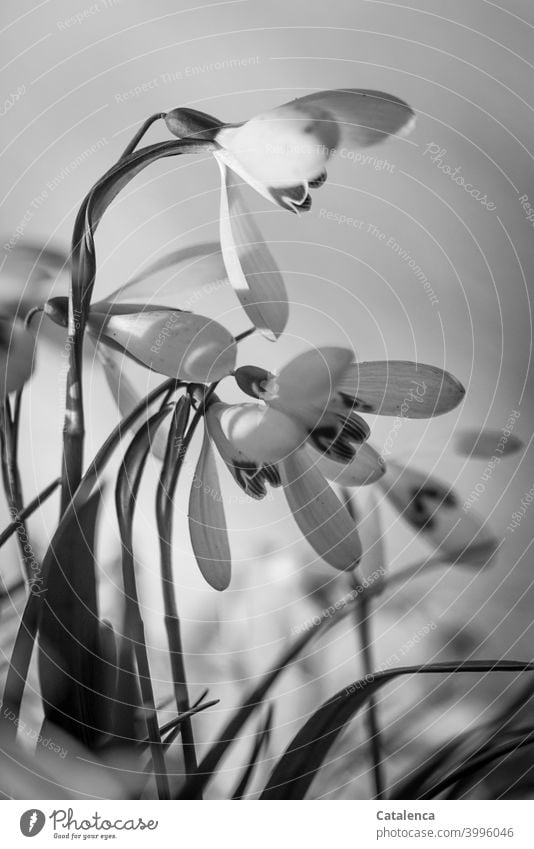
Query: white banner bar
[{"x": 358, "y": 824}]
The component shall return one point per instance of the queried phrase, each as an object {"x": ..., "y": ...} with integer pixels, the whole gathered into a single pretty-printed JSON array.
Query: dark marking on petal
[
  {"x": 318, "y": 181},
  {"x": 354, "y": 403}
]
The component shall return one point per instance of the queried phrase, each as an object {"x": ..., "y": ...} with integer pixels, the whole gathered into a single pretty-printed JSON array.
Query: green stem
[
  {"x": 363, "y": 615},
  {"x": 172, "y": 463},
  {"x": 140, "y": 133},
  {"x": 11, "y": 479}
]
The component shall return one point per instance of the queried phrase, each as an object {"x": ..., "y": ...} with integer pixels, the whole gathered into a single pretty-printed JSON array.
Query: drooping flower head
[
  {"x": 282, "y": 154},
  {"x": 303, "y": 430}
]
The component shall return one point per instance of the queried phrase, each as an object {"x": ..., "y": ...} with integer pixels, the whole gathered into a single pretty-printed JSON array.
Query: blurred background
[{"x": 78, "y": 79}]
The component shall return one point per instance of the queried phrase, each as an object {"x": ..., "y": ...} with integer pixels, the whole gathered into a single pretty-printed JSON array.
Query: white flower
[
  {"x": 282, "y": 153},
  {"x": 303, "y": 430}
]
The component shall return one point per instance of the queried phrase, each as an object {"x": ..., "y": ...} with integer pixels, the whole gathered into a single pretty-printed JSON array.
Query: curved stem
[{"x": 140, "y": 133}]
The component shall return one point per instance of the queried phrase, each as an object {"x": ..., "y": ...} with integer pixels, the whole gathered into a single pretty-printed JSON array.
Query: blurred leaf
[
  {"x": 298, "y": 766},
  {"x": 71, "y": 673},
  {"x": 27, "y": 632},
  {"x": 195, "y": 786},
  {"x": 462, "y": 777},
  {"x": 126, "y": 492},
  {"x": 261, "y": 741}
]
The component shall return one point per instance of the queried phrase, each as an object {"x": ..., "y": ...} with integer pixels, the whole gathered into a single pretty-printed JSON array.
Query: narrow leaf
[{"x": 298, "y": 766}]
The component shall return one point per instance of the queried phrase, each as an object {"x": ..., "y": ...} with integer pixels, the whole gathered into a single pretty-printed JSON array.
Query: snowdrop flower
[
  {"x": 303, "y": 430},
  {"x": 282, "y": 154},
  {"x": 434, "y": 511}
]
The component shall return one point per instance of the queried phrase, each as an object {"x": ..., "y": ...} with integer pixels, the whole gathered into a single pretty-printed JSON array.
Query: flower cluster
[{"x": 302, "y": 429}]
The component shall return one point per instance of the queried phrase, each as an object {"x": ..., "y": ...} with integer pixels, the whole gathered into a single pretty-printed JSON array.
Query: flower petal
[
  {"x": 17, "y": 348},
  {"x": 123, "y": 391},
  {"x": 400, "y": 388},
  {"x": 434, "y": 510},
  {"x": 207, "y": 521},
  {"x": 292, "y": 143},
  {"x": 486, "y": 444},
  {"x": 365, "y": 468},
  {"x": 251, "y": 475},
  {"x": 258, "y": 433},
  {"x": 364, "y": 117},
  {"x": 250, "y": 266},
  {"x": 321, "y": 516},
  {"x": 178, "y": 344},
  {"x": 305, "y": 386}
]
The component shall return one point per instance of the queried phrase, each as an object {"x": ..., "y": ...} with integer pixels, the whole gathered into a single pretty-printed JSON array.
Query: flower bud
[
  {"x": 254, "y": 381},
  {"x": 190, "y": 123},
  {"x": 57, "y": 309}
]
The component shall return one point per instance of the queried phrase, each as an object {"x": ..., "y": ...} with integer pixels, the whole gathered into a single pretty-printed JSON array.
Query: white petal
[
  {"x": 250, "y": 474},
  {"x": 366, "y": 468},
  {"x": 17, "y": 347},
  {"x": 401, "y": 388},
  {"x": 207, "y": 521},
  {"x": 292, "y": 143},
  {"x": 178, "y": 344},
  {"x": 364, "y": 117},
  {"x": 305, "y": 387},
  {"x": 250, "y": 266},
  {"x": 435, "y": 511},
  {"x": 123, "y": 391},
  {"x": 196, "y": 269},
  {"x": 260, "y": 433},
  {"x": 321, "y": 516}
]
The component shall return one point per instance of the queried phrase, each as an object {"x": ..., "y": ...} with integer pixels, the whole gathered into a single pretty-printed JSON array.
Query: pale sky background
[{"x": 467, "y": 71}]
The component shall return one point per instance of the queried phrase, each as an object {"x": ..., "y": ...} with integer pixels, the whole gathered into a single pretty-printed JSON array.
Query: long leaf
[
  {"x": 27, "y": 632},
  {"x": 173, "y": 461},
  {"x": 298, "y": 766},
  {"x": 69, "y": 629},
  {"x": 261, "y": 741},
  {"x": 461, "y": 778},
  {"x": 195, "y": 786},
  {"x": 126, "y": 492}
]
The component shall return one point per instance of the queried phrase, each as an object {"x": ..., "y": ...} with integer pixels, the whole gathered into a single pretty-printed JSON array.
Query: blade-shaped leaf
[
  {"x": 261, "y": 741},
  {"x": 126, "y": 492},
  {"x": 27, "y": 632},
  {"x": 69, "y": 631},
  {"x": 298, "y": 766},
  {"x": 255, "y": 699}
]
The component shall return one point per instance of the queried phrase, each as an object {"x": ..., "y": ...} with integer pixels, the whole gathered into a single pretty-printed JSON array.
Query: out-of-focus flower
[
  {"x": 304, "y": 429},
  {"x": 282, "y": 154},
  {"x": 434, "y": 510},
  {"x": 17, "y": 348},
  {"x": 168, "y": 341}
]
